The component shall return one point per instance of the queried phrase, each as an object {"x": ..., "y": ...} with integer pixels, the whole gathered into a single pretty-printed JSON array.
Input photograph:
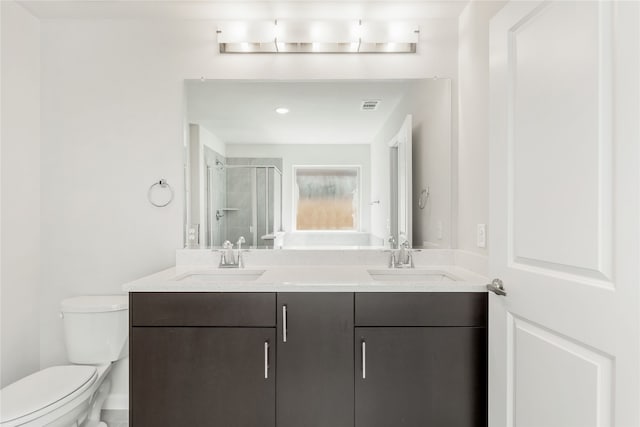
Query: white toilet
[{"x": 96, "y": 330}]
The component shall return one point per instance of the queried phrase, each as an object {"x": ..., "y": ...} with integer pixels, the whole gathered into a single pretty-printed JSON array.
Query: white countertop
[{"x": 310, "y": 278}]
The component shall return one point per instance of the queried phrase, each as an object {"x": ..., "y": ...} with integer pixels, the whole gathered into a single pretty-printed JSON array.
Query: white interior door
[
  {"x": 403, "y": 142},
  {"x": 565, "y": 189}
]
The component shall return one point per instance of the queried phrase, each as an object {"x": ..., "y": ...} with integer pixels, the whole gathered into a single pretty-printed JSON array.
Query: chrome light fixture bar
[{"x": 317, "y": 37}]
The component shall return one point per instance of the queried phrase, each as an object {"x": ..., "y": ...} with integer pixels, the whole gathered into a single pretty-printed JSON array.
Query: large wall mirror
[{"x": 318, "y": 164}]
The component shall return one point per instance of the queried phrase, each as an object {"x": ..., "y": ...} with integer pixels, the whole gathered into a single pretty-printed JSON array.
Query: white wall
[
  {"x": 212, "y": 141},
  {"x": 473, "y": 116},
  {"x": 311, "y": 154},
  {"x": 112, "y": 124},
  {"x": 429, "y": 103},
  {"x": 432, "y": 164},
  {"x": 199, "y": 138},
  {"x": 380, "y": 165},
  {"x": 20, "y": 193}
]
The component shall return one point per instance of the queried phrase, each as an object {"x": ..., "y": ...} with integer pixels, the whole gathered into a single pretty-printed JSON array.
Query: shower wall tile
[{"x": 241, "y": 184}]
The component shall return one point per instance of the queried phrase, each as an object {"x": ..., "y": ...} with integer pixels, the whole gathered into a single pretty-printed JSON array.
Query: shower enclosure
[{"x": 242, "y": 199}]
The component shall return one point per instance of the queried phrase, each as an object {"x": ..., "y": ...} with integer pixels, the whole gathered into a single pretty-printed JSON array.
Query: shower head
[{"x": 219, "y": 165}]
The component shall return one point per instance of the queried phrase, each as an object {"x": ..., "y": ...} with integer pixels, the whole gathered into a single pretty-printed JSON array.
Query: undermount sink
[
  {"x": 239, "y": 275},
  {"x": 411, "y": 275}
]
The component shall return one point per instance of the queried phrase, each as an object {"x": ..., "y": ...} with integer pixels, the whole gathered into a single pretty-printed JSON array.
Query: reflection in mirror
[
  {"x": 298, "y": 164},
  {"x": 400, "y": 165},
  {"x": 327, "y": 198}
]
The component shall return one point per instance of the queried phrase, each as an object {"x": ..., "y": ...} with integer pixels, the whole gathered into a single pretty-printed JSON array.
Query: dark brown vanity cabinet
[
  {"x": 421, "y": 360},
  {"x": 315, "y": 360},
  {"x": 202, "y": 359},
  {"x": 308, "y": 359}
]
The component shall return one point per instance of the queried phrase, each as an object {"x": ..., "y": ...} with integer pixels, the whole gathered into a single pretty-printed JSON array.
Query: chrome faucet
[
  {"x": 401, "y": 257},
  {"x": 229, "y": 259},
  {"x": 239, "y": 257},
  {"x": 405, "y": 256},
  {"x": 392, "y": 254}
]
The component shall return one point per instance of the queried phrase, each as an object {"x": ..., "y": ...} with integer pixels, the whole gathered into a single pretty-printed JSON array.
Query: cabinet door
[
  {"x": 186, "y": 376},
  {"x": 420, "y": 376},
  {"x": 315, "y": 362}
]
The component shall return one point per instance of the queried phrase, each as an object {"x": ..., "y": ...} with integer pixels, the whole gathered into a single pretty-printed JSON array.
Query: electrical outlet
[
  {"x": 193, "y": 235},
  {"x": 481, "y": 235}
]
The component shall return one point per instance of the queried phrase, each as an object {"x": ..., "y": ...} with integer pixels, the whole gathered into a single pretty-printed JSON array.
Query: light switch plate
[{"x": 481, "y": 235}]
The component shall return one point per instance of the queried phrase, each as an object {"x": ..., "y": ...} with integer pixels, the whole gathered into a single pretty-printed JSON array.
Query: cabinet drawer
[
  {"x": 202, "y": 309},
  {"x": 421, "y": 309}
]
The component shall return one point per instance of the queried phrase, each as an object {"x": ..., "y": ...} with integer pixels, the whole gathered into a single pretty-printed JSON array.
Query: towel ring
[
  {"x": 424, "y": 196},
  {"x": 162, "y": 184}
]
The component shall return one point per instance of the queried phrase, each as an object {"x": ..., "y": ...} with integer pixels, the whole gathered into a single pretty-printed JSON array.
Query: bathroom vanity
[{"x": 363, "y": 351}]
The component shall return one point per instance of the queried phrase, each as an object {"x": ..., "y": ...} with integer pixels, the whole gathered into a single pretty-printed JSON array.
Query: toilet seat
[{"x": 44, "y": 391}]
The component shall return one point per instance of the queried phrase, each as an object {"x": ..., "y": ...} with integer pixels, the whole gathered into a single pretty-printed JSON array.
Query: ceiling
[
  {"x": 325, "y": 112},
  {"x": 245, "y": 10}
]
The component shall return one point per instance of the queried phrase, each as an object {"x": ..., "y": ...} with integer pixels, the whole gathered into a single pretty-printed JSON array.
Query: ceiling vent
[{"x": 370, "y": 105}]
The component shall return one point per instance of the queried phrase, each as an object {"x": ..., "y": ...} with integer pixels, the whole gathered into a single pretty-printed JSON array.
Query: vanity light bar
[{"x": 317, "y": 37}]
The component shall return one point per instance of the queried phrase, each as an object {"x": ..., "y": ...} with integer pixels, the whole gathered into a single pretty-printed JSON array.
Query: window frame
[{"x": 294, "y": 197}]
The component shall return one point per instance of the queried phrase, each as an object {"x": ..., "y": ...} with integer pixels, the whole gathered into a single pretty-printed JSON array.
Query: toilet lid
[
  {"x": 95, "y": 304},
  {"x": 42, "y": 389}
]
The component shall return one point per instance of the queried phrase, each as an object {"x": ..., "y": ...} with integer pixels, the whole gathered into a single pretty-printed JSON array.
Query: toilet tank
[{"x": 96, "y": 328}]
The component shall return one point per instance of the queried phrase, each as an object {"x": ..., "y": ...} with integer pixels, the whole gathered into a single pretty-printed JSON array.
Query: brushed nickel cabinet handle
[
  {"x": 266, "y": 360},
  {"x": 364, "y": 359},
  {"x": 284, "y": 323}
]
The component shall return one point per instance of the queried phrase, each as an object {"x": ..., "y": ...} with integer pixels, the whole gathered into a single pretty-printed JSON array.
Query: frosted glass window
[{"x": 327, "y": 198}]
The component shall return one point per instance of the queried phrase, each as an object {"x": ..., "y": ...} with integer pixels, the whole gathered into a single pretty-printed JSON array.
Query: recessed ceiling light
[{"x": 282, "y": 110}]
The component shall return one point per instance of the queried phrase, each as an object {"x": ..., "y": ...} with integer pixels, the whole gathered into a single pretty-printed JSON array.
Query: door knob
[{"x": 497, "y": 287}]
